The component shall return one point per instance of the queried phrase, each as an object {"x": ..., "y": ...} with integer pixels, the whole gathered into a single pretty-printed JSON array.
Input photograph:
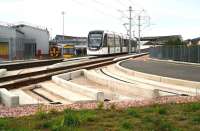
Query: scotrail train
[{"x": 106, "y": 43}]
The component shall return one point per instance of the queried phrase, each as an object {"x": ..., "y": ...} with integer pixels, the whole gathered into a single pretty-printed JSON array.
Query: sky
[{"x": 167, "y": 17}]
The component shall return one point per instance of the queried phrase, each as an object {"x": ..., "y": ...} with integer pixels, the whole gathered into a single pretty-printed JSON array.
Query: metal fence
[{"x": 177, "y": 53}]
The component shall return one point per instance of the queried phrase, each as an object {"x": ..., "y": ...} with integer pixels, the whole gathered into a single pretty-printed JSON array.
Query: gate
[{"x": 29, "y": 51}]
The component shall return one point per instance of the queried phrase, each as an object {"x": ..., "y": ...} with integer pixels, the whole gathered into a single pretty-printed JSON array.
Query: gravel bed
[{"x": 32, "y": 109}]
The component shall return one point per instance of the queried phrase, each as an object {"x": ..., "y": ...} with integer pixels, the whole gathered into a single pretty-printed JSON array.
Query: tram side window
[
  {"x": 121, "y": 41},
  {"x": 117, "y": 41},
  {"x": 126, "y": 43},
  {"x": 111, "y": 41},
  {"x": 105, "y": 40}
]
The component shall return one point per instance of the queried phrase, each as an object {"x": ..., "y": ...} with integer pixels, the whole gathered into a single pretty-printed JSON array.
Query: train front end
[{"x": 95, "y": 43}]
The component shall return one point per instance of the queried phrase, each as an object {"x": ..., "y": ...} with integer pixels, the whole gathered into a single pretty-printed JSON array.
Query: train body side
[{"x": 103, "y": 43}]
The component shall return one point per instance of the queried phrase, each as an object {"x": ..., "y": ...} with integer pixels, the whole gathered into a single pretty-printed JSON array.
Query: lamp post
[{"x": 63, "y": 14}]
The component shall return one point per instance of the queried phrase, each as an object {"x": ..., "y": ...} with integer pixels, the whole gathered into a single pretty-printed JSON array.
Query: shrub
[
  {"x": 127, "y": 125},
  {"x": 87, "y": 115},
  {"x": 3, "y": 123},
  {"x": 70, "y": 119},
  {"x": 191, "y": 107},
  {"x": 196, "y": 119},
  {"x": 100, "y": 105},
  {"x": 113, "y": 106},
  {"x": 148, "y": 110},
  {"x": 162, "y": 111},
  {"x": 148, "y": 119},
  {"x": 132, "y": 112},
  {"x": 53, "y": 112},
  {"x": 56, "y": 128},
  {"x": 164, "y": 126},
  {"x": 41, "y": 115},
  {"x": 44, "y": 125}
]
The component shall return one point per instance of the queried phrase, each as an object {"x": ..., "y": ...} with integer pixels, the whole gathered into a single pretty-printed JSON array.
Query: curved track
[{"x": 44, "y": 75}]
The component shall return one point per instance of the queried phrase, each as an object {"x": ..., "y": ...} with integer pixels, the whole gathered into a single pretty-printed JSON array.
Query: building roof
[
  {"x": 74, "y": 40},
  {"x": 69, "y": 37},
  {"x": 196, "y": 39},
  {"x": 31, "y": 26}
]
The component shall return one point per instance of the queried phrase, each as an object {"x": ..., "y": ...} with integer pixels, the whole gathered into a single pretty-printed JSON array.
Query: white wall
[
  {"x": 6, "y": 32},
  {"x": 41, "y": 37}
]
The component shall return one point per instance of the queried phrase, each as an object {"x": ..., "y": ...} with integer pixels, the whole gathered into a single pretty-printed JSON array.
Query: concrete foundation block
[
  {"x": 179, "y": 82},
  {"x": 81, "y": 89},
  {"x": 156, "y": 93},
  {"x": 8, "y": 99},
  {"x": 2, "y": 72},
  {"x": 76, "y": 74},
  {"x": 148, "y": 76},
  {"x": 100, "y": 96},
  {"x": 120, "y": 87}
]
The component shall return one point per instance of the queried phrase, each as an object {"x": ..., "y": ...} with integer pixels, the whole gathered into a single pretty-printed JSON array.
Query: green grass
[{"x": 170, "y": 117}]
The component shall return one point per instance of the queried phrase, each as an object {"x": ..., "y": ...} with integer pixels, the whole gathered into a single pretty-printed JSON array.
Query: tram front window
[{"x": 95, "y": 40}]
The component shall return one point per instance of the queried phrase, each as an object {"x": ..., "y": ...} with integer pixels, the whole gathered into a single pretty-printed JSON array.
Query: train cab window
[
  {"x": 69, "y": 51},
  {"x": 95, "y": 40}
]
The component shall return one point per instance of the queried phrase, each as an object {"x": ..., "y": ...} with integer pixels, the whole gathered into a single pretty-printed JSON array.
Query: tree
[{"x": 174, "y": 41}]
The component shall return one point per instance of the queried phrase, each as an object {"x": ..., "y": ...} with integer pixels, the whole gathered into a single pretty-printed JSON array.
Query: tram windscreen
[{"x": 95, "y": 40}]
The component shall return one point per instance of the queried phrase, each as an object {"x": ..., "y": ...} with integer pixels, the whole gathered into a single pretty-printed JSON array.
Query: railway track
[
  {"x": 39, "y": 63},
  {"x": 29, "y": 64},
  {"x": 17, "y": 81}
]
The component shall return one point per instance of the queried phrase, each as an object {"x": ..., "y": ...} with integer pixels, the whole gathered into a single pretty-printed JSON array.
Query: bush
[
  {"x": 148, "y": 119},
  {"x": 196, "y": 119},
  {"x": 41, "y": 115},
  {"x": 159, "y": 124},
  {"x": 44, "y": 125},
  {"x": 148, "y": 110},
  {"x": 192, "y": 107},
  {"x": 162, "y": 111},
  {"x": 3, "y": 123},
  {"x": 113, "y": 106},
  {"x": 132, "y": 112},
  {"x": 164, "y": 126},
  {"x": 87, "y": 115},
  {"x": 56, "y": 128},
  {"x": 70, "y": 119},
  {"x": 127, "y": 125},
  {"x": 53, "y": 112}
]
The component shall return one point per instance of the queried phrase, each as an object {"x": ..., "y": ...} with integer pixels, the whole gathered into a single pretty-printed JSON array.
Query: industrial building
[{"x": 23, "y": 42}]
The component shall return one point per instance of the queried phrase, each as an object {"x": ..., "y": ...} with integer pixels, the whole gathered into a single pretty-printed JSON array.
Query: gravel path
[{"x": 32, "y": 109}]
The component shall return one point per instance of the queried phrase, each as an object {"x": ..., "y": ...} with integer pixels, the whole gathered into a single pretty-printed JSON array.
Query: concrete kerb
[
  {"x": 63, "y": 80},
  {"x": 157, "y": 78},
  {"x": 8, "y": 99},
  {"x": 120, "y": 87},
  {"x": 176, "y": 62},
  {"x": 3, "y": 72},
  {"x": 129, "y": 56}
]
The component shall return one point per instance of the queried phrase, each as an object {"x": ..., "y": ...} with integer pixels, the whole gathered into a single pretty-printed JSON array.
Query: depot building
[{"x": 23, "y": 41}]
